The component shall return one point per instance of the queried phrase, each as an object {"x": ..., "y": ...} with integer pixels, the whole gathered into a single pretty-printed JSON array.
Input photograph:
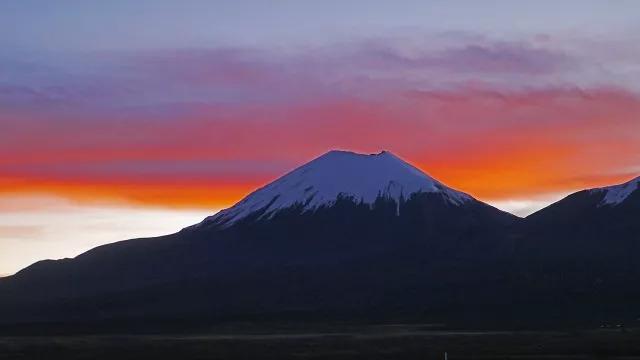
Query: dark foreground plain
[{"x": 333, "y": 342}]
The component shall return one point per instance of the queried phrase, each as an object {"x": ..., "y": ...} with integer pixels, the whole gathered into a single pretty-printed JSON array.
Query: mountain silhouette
[{"x": 354, "y": 234}]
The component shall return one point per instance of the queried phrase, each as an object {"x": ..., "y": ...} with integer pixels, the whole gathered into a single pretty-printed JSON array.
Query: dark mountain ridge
[
  {"x": 417, "y": 247},
  {"x": 341, "y": 240}
]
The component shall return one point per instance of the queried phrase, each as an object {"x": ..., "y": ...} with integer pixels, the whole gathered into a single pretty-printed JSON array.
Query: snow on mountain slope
[
  {"x": 320, "y": 181},
  {"x": 618, "y": 193}
]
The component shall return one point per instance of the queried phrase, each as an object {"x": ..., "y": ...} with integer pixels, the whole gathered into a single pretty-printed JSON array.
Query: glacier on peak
[{"x": 322, "y": 180}]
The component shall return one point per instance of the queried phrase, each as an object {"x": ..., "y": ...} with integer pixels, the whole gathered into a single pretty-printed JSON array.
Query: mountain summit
[
  {"x": 616, "y": 194},
  {"x": 320, "y": 182}
]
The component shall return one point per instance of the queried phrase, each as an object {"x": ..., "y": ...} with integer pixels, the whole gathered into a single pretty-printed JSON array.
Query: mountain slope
[
  {"x": 582, "y": 251},
  {"x": 618, "y": 194},
  {"x": 612, "y": 210},
  {"x": 599, "y": 225}
]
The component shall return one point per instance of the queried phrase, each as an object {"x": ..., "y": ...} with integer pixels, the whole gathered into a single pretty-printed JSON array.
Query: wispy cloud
[
  {"x": 152, "y": 78},
  {"x": 497, "y": 57}
]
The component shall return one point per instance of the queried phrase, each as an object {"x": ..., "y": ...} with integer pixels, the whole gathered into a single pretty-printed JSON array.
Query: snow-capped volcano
[
  {"x": 321, "y": 181},
  {"x": 618, "y": 193}
]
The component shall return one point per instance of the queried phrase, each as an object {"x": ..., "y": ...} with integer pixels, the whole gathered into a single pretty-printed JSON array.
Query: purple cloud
[
  {"x": 478, "y": 57},
  {"x": 181, "y": 79},
  {"x": 504, "y": 58}
]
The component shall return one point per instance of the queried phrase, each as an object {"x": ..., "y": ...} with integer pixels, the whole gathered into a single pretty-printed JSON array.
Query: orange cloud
[{"x": 493, "y": 145}]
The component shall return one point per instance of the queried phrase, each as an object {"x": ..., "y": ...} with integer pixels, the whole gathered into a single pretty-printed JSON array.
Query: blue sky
[{"x": 124, "y": 24}]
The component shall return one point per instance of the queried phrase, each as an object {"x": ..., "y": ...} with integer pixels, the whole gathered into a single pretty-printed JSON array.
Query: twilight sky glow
[{"x": 129, "y": 118}]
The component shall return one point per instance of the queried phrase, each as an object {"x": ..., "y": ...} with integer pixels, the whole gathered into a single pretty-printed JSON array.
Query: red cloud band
[{"x": 494, "y": 145}]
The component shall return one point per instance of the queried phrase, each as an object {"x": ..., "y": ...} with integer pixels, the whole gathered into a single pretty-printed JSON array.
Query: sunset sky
[{"x": 129, "y": 118}]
